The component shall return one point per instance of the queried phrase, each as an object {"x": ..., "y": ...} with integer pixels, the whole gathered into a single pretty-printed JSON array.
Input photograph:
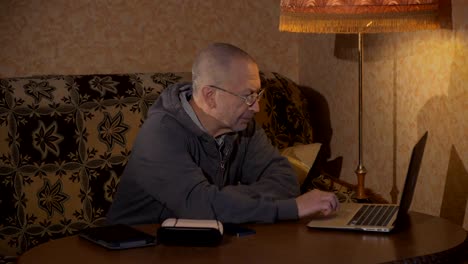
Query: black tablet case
[{"x": 118, "y": 237}]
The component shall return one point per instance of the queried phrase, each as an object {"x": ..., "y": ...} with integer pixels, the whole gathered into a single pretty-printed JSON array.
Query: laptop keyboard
[{"x": 374, "y": 215}]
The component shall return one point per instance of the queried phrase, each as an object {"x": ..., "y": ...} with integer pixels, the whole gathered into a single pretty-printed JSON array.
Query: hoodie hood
[{"x": 169, "y": 104}]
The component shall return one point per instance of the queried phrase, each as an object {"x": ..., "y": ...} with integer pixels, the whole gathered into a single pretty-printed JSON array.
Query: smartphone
[{"x": 237, "y": 230}]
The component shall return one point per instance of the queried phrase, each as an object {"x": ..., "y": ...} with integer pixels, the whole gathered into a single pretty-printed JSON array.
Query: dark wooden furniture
[{"x": 427, "y": 238}]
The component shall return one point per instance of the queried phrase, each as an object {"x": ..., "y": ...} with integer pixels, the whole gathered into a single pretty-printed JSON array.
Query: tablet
[{"x": 118, "y": 237}]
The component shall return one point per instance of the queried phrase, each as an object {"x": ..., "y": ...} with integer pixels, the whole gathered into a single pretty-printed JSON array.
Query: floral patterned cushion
[
  {"x": 66, "y": 140},
  {"x": 345, "y": 191},
  {"x": 284, "y": 115}
]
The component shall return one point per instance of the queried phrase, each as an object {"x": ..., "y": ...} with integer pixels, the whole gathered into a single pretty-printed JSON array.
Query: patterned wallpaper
[
  {"x": 104, "y": 36},
  {"x": 413, "y": 82}
]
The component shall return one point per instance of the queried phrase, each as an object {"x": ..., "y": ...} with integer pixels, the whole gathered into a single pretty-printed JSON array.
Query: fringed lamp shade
[{"x": 358, "y": 16}]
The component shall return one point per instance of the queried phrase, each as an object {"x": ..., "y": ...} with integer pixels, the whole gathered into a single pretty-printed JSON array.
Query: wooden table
[{"x": 286, "y": 242}]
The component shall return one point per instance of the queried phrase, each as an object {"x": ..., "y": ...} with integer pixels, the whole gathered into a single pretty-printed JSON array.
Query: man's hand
[{"x": 316, "y": 201}]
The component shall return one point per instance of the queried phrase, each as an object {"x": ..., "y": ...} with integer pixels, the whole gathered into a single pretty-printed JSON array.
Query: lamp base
[{"x": 361, "y": 175}]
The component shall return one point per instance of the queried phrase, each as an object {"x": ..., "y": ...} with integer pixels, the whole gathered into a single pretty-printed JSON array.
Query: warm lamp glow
[
  {"x": 358, "y": 16},
  {"x": 361, "y": 17}
]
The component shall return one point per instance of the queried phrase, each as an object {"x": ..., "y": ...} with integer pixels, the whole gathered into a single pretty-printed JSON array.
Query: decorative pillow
[
  {"x": 302, "y": 157},
  {"x": 305, "y": 153},
  {"x": 345, "y": 191},
  {"x": 284, "y": 112}
]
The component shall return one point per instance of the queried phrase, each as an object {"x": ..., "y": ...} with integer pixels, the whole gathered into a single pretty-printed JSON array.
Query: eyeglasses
[{"x": 248, "y": 100}]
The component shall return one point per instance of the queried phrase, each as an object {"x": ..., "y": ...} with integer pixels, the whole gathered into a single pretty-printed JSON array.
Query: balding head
[
  {"x": 212, "y": 65},
  {"x": 223, "y": 75}
]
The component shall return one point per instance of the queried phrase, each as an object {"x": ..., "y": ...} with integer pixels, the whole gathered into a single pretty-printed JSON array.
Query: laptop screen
[{"x": 412, "y": 177}]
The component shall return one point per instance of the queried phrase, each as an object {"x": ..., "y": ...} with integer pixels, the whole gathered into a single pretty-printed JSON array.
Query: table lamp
[{"x": 359, "y": 17}]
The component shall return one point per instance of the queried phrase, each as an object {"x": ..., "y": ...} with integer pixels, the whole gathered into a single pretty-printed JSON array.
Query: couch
[{"x": 65, "y": 140}]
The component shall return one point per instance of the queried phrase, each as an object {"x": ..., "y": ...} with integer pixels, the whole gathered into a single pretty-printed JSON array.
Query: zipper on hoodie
[
  {"x": 222, "y": 166},
  {"x": 223, "y": 162},
  {"x": 224, "y": 151}
]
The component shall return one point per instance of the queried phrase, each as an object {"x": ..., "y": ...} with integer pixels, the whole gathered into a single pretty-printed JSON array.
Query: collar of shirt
[{"x": 184, "y": 99}]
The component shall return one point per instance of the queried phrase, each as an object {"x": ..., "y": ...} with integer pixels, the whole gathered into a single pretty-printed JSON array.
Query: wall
[
  {"x": 413, "y": 83},
  {"x": 115, "y": 36}
]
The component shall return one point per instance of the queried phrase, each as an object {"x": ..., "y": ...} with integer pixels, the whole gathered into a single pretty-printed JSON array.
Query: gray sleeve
[{"x": 267, "y": 174}]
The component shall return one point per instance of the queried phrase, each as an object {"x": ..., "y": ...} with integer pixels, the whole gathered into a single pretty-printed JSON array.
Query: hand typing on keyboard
[{"x": 316, "y": 201}]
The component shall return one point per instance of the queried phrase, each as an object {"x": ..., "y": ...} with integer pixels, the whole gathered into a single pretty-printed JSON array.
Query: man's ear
[{"x": 208, "y": 95}]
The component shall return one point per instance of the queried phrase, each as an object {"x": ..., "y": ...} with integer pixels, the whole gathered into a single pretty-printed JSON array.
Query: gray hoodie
[{"x": 178, "y": 170}]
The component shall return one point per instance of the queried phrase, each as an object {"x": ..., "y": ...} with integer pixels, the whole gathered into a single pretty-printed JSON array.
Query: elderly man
[{"x": 201, "y": 155}]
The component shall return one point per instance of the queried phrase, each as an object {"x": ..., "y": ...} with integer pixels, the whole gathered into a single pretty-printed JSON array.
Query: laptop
[{"x": 377, "y": 217}]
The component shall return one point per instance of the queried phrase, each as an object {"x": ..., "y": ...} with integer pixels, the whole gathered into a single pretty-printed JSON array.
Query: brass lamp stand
[{"x": 360, "y": 170}]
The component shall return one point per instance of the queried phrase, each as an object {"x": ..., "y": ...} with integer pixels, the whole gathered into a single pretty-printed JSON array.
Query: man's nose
[{"x": 255, "y": 107}]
